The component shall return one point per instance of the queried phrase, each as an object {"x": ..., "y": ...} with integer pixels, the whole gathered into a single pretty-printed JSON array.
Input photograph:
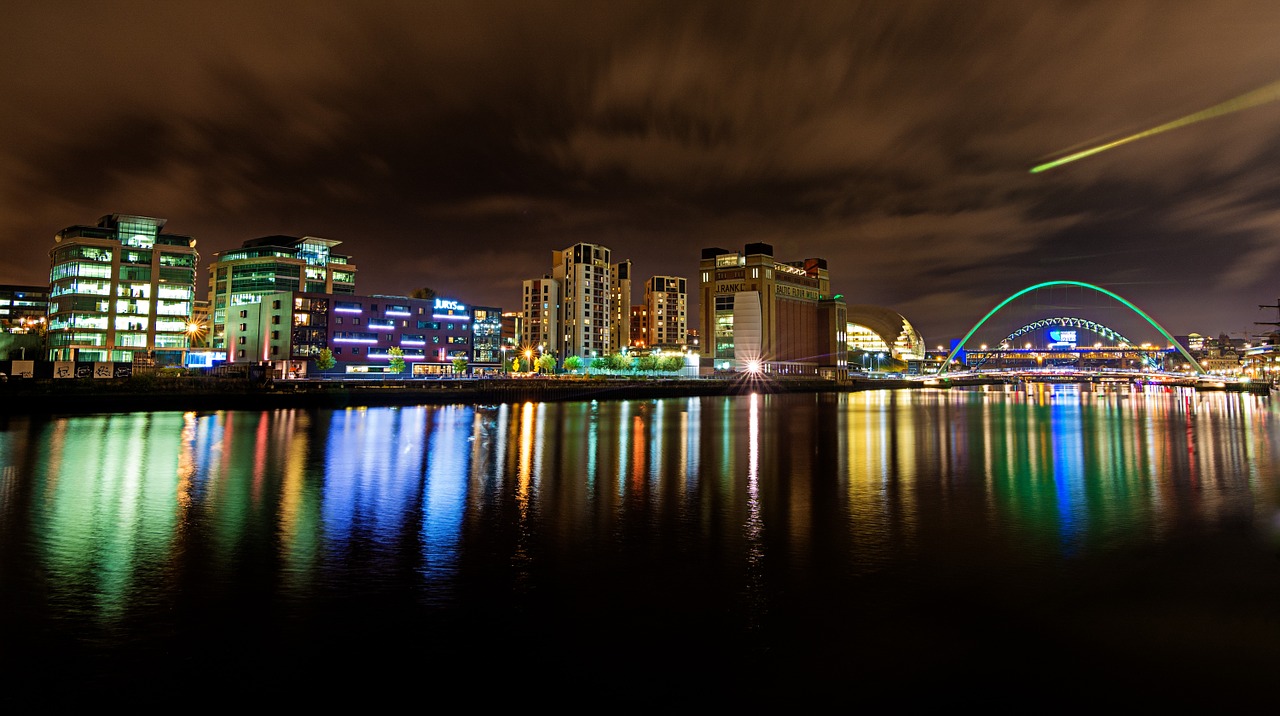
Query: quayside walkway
[{"x": 202, "y": 393}]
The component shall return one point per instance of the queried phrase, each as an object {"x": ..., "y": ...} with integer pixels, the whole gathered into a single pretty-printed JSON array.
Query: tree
[
  {"x": 325, "y": 359},
  {"x": 671, "y": 363},
  {"x": 572, "y": 364},
  {"x": 647, "y": 363},
  {"x": 515, "y": 365},
  {"x": 547, "y": 364},
  {"x": 599, "y": 363},
  {"x": 397, "y": 360},
  {"x": 424, "y": 293},
  {"x": 459, "y": 365},
  {"x": 618, "y": 361}
]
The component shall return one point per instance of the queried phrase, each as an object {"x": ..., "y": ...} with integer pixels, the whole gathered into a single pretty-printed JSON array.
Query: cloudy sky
[{"x": 457, "y": 144}]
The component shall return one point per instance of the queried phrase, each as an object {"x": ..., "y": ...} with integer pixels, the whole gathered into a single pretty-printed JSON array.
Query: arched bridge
[
  {"x": 1068, "y": 322},
  {"x": 1071, "y": 321}
]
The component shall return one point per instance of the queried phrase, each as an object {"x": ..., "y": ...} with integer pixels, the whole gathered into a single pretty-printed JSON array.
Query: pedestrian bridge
[
  {"x": 1095, "y": 377},
  {"x": 1049, "y": 347}
]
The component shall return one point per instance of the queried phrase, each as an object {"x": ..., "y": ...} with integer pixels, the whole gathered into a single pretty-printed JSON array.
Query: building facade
[
  {"x": 639, "y": 334},
  {"x": 620, "y": 320},
  {"x": 769, "y": 316},
  {"x": 512, "y": 331},
  {"x": 541, "y": 315},
  {"x": 486, "y": 345},
  {"x": 288, "y": 330},
  {"x": 665, "y": 301},
  {"x": 882, "y": 339},
  {"x": 271, "y": 264},
  {"x": 121, "y": 291},
  {"x": 586, "y": 301},
  {"x": 23, "y": 309}
]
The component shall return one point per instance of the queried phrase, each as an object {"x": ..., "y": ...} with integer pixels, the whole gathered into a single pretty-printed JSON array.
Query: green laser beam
[{"x": 1269, "y": 93}]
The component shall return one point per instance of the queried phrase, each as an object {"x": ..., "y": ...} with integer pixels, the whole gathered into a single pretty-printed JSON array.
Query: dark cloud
[{"x": 457, "y": 144}]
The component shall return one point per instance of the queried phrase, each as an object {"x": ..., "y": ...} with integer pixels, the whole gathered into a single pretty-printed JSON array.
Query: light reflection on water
[{"x": 749, "y": 517}]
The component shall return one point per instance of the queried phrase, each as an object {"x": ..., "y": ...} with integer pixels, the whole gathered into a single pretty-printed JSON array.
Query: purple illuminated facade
[{"x": 289, "y": 330}]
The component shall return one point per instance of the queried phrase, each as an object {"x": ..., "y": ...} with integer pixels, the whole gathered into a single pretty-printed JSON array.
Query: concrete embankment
[{"x": 147, "y": 393}]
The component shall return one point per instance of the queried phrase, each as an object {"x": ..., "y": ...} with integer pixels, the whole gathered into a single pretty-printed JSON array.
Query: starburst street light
[{"x": 195, "y": 331}]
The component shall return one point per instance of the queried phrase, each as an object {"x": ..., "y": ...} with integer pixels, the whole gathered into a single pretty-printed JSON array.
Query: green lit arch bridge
[{"x": 1050, "y": 347}]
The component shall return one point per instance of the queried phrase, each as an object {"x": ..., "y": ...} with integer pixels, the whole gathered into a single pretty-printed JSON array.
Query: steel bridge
[{"x": 1113, "y": 355}]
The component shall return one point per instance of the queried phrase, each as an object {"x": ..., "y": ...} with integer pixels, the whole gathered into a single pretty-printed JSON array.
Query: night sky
[{"x": 455, "y": 145}]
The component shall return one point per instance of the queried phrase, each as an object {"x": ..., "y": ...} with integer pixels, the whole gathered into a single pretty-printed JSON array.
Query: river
[{"x": 947, "y": 546}]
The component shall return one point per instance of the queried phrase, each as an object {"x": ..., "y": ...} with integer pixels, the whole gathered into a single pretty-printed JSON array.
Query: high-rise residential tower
[
  {"x": 586, "y": 290},
  {"x": 665, "y": 301},
  {"x": 541, "y": 319},
  {"x": 620, "y": 320}
]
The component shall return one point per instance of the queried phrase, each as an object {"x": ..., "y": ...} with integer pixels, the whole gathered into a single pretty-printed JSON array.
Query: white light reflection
[
  {"x": 690, "y": 444},
  {"x": 624, "y": 413},
  {"x": 754, "y": 527}
]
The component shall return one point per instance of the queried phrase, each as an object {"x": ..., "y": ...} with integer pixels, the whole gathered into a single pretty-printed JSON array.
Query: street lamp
[{"x": 528, "y": 358}]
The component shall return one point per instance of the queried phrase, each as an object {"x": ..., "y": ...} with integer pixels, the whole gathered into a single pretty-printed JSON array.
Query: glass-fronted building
[
  {"x": 271, "y": 264},
  {"x": 121, "y": 291},
  {"x": 882, "y": 339},
  {"x": 486, "y": 342},
  {"x": 23, "y": 309}
]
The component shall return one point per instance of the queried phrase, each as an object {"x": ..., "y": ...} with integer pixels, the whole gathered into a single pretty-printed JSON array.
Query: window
[
  {"x": 275, "y": 350},
  {"x": 355, "y": 351},
  {"x": 275, "y": 335},
  {"x": 275, "y": 320},
  {"x": 244, "y": 326},
  {"x": 337, "y": 350},
  {"x": 240, "y": 353},
  {"x": 355, "y": 321},
  {"x": 241, "y": 341},
  {"x": 337, "y": 320},
  {"x": 244, "y": 314},
  {"x": 275, "y": 304}
]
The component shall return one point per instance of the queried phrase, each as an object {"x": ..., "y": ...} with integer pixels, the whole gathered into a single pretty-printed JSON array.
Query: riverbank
[{"x": 206, "y": 393}]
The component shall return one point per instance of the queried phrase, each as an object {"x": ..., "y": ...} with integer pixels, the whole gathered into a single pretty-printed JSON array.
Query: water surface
[{"x": 1051, "y": 541}]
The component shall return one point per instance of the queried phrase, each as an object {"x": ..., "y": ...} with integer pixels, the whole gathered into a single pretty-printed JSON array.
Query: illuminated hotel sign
[
  {"x": 444, "y": 308},
  {"x": 1062, "y": 339}
]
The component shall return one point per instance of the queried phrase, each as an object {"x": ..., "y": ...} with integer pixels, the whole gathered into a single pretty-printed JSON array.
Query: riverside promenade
[{"x": 206, "y": 393}]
